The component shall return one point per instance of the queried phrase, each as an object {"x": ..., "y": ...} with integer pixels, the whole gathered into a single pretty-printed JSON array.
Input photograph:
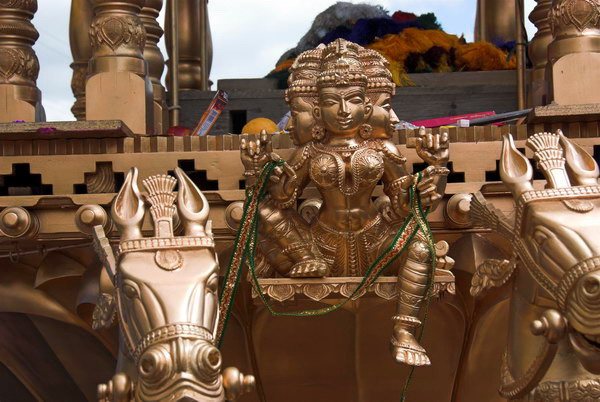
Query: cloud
[{"x": 248, "y": 37}]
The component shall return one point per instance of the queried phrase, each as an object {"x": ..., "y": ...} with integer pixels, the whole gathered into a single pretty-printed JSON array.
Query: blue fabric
[{"x": 365, "y": 30}]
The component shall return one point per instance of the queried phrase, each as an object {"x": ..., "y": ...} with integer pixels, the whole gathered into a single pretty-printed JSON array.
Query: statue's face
[
  {"x": 302, "y": 120},
  {"x": 383, "y": 119},
  {"x": 342, "y": 109}
]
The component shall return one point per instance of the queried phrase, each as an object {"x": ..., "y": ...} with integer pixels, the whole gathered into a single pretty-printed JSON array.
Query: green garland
[{"x": 245, "y": 250}]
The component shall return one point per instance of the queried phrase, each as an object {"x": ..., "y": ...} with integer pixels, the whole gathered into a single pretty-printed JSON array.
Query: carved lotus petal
[
  {"x": 347, "y": 288},
  {"x": 9, "y": 63},
  {"x": 386, "y": 290},
  {"x": 316, "y": 291},
  {"x": 280, "y": 292},
  {"x": 113, "y": 31}
]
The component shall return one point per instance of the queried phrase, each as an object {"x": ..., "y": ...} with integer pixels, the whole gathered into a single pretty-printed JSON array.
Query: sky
[{"x": 248, "y": 37}]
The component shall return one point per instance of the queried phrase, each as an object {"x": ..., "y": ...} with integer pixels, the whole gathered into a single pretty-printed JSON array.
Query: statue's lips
[
  {"x": 587, "y": 350},
  {"x": 345, "y": 122}
]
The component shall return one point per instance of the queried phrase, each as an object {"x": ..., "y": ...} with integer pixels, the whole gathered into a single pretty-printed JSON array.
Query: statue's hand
[
  {"x": 283, "y": 181},
  {"x": 427, "y": 188},
  {"x": 433, "y": 148},
  {"x": 255, "y": 153}
]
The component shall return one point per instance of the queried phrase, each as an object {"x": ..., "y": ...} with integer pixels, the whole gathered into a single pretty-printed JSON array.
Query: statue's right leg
[{"x": 285, "y": 234}]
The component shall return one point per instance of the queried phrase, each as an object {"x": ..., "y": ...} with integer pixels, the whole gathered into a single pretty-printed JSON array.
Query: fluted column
[
  {"x": 192, "y": 43},
  {"x": 574, "y": 52},
  {"x": 81, "y": 49},
  {"x": 495, "y": 19},
  {"x": 118, "y": 85},
  {"x": 20, "y": 99},
  {"x": 538, "y": 53},
  {"x": 156, "y": 62}
]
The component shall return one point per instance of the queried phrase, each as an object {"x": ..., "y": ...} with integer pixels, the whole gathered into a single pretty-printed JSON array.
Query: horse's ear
[
  {"x": 515, "y": 170},
  {"x": 192, "y": 204},
  {"x": 581, "y": 166},
  {"x": 128, "y": 208}
]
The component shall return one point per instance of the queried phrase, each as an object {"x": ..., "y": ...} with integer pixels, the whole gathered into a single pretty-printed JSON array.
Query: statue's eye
[
  {"x": 357, "y": 100},
  {"x": 329, "y": 103}
]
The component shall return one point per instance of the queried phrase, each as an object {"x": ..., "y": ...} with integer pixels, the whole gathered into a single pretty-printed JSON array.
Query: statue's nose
[{"x": 343, "y": 108}]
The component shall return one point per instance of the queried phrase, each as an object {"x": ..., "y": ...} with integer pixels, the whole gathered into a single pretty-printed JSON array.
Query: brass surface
[
  {"x": 164, "y": 295},
  {"x": 538, "y": 54},
  {"x": 81, "y": 49},
  {"x": 574, "y": 52},
  {"x": 520, "y": 50},
  {"x": 155, "y": 60},
  {"x": 172, "y": 39},
  {"x": 495, "y": 19},
  {"x": 19, "y": 65},
  {"x": 118, "y": 85},
  {"x": 553, "y": 324},
  {"x": 194, "y": 40}
]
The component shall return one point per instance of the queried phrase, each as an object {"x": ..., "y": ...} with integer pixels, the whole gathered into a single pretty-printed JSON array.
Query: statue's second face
[
  {"x": 383, "y": 119},
  {"x": 302, "y": 119},
  {"x": 342, "y": 109}
]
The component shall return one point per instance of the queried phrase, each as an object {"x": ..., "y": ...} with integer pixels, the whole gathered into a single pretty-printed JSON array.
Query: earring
[
  {"x": 366, "y": 131},
  {"x": 318, "y": 132}
]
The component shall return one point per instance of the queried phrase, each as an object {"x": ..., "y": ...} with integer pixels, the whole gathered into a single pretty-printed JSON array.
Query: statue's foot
[
  {"x": 406, "y": 349},
  {"x": 310, "y": 268}
]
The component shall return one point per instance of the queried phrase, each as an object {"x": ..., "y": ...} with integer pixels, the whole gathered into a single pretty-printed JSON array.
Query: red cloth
[{"x": 401, "y": 16}]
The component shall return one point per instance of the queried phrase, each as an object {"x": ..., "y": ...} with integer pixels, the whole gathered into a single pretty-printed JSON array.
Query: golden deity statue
[{"x": 341, "y": 123}]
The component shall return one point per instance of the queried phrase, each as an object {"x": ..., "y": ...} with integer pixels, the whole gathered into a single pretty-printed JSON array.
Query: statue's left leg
[{"x": 412, "y": 289}]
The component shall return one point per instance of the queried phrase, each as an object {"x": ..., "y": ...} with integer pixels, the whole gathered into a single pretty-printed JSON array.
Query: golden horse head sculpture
[
  {"x": 554, "y": 339},
  {"x": 165, "y": 297}
]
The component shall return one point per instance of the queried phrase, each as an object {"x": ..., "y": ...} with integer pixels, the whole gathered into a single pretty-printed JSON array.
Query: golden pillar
[
  {"x": 574, "y": 52},
  {"x": 20, "y": 98},
  {"x": 538, "y": 53},
  {"x": 156, "y": 62},
  {"x": 495, "y": 19},
  {"x": 194, "y": 41},
  {"x": 118, "y": 85},
  {"x": 81, "y": 49}
]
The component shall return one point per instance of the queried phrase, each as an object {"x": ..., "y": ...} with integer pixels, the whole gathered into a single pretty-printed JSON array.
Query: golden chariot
[{"x": 341, "y": 260}]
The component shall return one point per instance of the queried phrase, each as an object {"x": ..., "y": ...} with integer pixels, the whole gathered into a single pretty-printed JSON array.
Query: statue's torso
[{"x": 349, "y": 230}]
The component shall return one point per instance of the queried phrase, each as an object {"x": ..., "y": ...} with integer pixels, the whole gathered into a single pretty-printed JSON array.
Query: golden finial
[
  {"x": 549, "y": 156},
  {"x": 161, "y": 198}
]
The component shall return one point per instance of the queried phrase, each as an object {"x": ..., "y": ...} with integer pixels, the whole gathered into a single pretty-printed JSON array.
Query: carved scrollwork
[
  {"x": 29, "y": 5},
  {"x": 115, "y": 31},
  {"x": 318, "y": 289},
  {"x": 582, "y": 390},
  {"x": 581, "y": 14},
  {"x": 18, "y": 62}
]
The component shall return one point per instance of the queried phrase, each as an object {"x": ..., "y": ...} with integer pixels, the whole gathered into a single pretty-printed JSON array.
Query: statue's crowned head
[
  {"x": 380, "y": 89},
  {"x": 342, "y": 103}
]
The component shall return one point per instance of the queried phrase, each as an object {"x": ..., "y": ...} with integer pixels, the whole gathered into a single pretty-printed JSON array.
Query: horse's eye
[
  {"x": 129, "y": 291},
  {"x": 540, "y": 237}
]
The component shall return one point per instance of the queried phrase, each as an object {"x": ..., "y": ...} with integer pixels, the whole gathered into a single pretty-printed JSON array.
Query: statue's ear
[
  {"x": 581, "y": 166},
  {"x": 192, "y": 204},
  {"x": 317, "y": 113},
  {"x": 515, "y": 170},
  {"x": 368, "y": 109},
  {"x": 128, "y": 208}
]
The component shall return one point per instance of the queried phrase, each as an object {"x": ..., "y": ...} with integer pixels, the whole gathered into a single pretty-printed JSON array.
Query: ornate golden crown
[
  {"x": 378, "y": 75},
  {"x": 303, "y": 74},
  {"x": 341, "y": 65}
]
